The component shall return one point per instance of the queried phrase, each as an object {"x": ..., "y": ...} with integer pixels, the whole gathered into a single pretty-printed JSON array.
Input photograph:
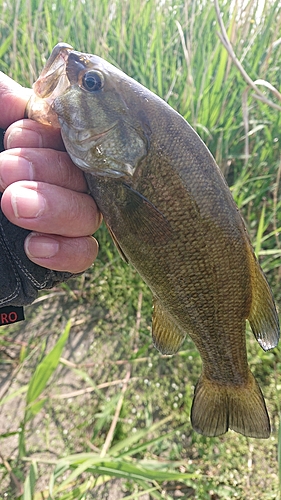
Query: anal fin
[
  {"x": 263, "y": 316},
  {"x": 167, "y": 336}
]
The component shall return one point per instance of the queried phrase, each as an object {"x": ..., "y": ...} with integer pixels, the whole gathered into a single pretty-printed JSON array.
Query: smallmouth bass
[{"x": 172, "y": 216}]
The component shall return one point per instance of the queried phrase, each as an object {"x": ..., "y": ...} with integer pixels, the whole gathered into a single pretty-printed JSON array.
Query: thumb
[{"x": 13, "y": 100}]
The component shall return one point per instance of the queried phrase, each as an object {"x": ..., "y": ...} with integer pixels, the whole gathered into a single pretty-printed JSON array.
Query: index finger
[
  {"x": 30, "y": 134},
  {"x": 13, "y": 99}
]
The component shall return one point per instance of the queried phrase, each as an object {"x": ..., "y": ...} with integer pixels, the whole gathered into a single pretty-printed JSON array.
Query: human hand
[{"x": 43, "y": 191}]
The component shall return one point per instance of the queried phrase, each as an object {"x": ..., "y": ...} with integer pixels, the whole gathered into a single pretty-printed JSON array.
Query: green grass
[{"x": 137, "y": 429}]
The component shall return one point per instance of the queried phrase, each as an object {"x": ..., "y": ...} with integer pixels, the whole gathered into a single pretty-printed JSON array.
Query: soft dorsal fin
[
  {"x": 263, "y": 316},
  {"x": 167, "y": 336}
]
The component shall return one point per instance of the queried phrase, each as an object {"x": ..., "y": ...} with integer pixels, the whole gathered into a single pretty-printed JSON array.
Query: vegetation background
[{"x": 88, "y": 408}]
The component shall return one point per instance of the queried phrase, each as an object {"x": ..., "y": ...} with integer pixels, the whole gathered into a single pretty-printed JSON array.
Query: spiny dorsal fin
[
  {"x": 263, "y": 316},
  {"x": 167, "y": 337}
]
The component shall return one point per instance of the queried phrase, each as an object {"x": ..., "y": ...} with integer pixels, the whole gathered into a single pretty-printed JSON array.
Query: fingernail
[
  {"x": 38, "y": 246},
  {"x": 20, "y": 137},
  {"x": 27, "y": 203},
  {"x": 14, "y": 168}
]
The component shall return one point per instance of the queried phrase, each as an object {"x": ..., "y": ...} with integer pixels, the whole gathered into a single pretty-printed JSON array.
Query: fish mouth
[
  {"x": 52, "y": 82},
  {"x": 53, "y": 78}
]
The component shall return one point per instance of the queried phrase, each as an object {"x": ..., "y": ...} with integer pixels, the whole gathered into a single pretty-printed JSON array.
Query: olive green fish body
[
  {"x": 172, "y": 216},
  {"x": 187, "y": 240}
]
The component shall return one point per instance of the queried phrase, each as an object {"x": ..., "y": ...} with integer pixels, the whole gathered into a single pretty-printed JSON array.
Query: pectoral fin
[
  {"x": 143, "y": 219},
  {"x": 167, "y": 337},
  {"x": 263, "y": 316}
]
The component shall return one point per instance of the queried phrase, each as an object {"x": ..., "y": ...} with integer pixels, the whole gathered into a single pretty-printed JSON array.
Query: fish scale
[{"x": 172, "y": 216}]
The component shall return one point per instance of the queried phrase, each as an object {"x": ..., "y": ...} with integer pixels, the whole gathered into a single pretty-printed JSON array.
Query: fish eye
[{"x": 92, "y": 81}]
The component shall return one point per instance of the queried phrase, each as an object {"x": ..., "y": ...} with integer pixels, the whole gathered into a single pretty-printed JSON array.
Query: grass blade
[
  {"x": 46, "y": 368},
  {"x": 30, "y": 482},
  {"x": 260, "y": 232}
]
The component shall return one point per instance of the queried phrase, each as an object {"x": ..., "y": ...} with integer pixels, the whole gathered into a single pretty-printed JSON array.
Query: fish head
[{"x": 91, "y": 101}]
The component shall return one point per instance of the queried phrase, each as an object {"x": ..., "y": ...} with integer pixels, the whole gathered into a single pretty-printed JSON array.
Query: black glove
[{"x": 20, "y": 278}]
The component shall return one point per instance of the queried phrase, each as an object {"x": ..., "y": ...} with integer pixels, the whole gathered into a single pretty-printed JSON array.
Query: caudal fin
[{"x": 217, "y": 408}]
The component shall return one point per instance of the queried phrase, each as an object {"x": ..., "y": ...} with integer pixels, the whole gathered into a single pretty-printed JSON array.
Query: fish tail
[{"x": 217, "y": 408}]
